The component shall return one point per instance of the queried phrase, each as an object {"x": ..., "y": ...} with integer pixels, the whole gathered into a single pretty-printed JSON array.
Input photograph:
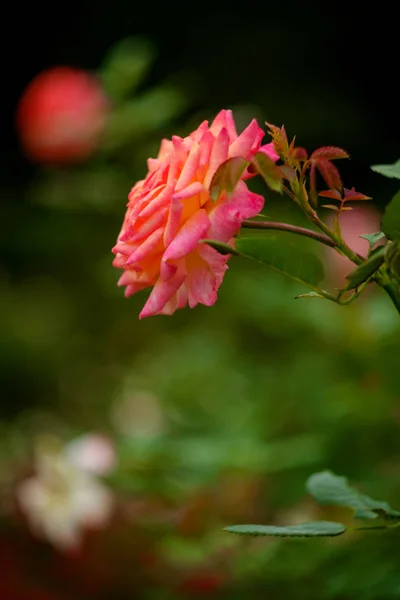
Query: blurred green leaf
[
  {"x": 328, "y": 488},
  {"x": 93, "y": 189},
  {"x": 388, "y": 170},
  {"x": 126, "y": 65},
  {"x": 311, "y": 529},
  {"x": 144, "y": 115},
  {"x": 300, "y": 265},
  {"x": 254, "y": 455},
  {"x": 391, "y": 219},
  {"x": 227, "y": 176}
]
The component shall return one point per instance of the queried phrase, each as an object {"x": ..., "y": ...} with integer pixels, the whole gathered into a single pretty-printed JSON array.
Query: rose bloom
[
  {"x": 170, "y": 211},
  {"x": 61, "y": 115}
]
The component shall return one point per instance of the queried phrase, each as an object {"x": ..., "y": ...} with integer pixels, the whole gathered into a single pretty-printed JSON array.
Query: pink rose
[{"x": 170, "y": 211}]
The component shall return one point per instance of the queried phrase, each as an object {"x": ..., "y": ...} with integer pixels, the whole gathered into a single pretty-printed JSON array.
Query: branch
[{"x": 319, "y": 237}]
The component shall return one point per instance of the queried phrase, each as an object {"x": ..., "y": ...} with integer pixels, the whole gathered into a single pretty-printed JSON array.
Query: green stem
[
  {"x": 299, "y": 193},
  {"x": 340, "y": 244},
  {"x": 319, "y": 237},
  {"x": 354, "y": 294}
]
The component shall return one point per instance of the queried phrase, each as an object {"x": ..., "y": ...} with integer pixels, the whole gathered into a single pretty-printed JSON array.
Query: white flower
[
  {"x": 62, "y": 499},
  {"x": 92, "y": 452}
]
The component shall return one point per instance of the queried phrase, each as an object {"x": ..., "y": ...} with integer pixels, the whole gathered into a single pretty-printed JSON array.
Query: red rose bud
[{"x": 61, "y": 116}]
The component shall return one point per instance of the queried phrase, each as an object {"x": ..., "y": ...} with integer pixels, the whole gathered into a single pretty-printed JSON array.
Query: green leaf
[
  {"x": 227, "y": 176},
  {"x": 268, "y": 170},
  {"x": 220, "y": 247},
  {"x": 365, "y": 270},
  {"x": 373, "y": 238},
  {"x": 328, "y": 488},
  {"x": 126, "y": 65},
  {"x": 388, "y": 170},
  {"x": 391, "y": 219},
  {"x": 300, "y": 265},
  {"x": 311, "y": 529},
  {"x": 392, "y": 258},
  {"x": 144, "y": 114}
]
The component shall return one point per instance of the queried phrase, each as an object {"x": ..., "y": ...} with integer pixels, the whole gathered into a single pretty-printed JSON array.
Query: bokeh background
[{"x": 217, "y": 415}]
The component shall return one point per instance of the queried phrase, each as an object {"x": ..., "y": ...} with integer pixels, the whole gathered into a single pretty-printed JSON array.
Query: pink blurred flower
[
  {"x": 170, "y": 211},
  {"x": 61, "y": 115}
]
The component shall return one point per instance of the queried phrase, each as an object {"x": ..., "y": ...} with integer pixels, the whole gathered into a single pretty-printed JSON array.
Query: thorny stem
[
  {"x": 300, "y": 196},
  {"x": 354, "y": 294},
  {"x": 319, "y": 237},
  {"x": 340, "y": 244}
]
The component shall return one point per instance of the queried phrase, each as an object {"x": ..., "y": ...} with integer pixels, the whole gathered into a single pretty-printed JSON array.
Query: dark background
[{"x": 326, "y": 69}]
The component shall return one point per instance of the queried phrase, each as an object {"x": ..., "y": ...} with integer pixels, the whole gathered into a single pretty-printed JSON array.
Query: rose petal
[
  {"x": 148, "y": 227},
  {"x": 227, "y": 216},
  {"x": 201, "y": 285},
  {"x": 173, "y": 222},
  {"x": 249, "y": 140},
  {"x": 224, "y": 119},
  {"x": 219, "y": 154},
  {"x": 161, "y": 200},
  {"x": 269, "y": 150},
  {"x": 162, "y": 293},
  {"x": 191, "y": 190},
  {"x": 146, "y": 247},
  {"x": 189, "y": 168},
  {"x": 188, "y": 236}
]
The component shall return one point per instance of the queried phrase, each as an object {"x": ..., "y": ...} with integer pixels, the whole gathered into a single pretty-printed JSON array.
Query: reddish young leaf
[
  {"x": 287, "y": 172},
  {"x": 348, "y": 195},
  {"x": 279, "y": 139},
  {"x": 329, "y": 153},
  {"x": 353, "y": 195},
  {"x": 313, "y": 184},
  {"x": 277, "y": 131},
  {"x": 291, "y": 146},
  {"x": 329, "y": 173},
  {"x": 334, "y": 194},
  {"x": 300, "y": 154}
]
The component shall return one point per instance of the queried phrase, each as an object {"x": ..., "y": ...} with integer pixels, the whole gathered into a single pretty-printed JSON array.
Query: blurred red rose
[{"x": 61, "y": 115}]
